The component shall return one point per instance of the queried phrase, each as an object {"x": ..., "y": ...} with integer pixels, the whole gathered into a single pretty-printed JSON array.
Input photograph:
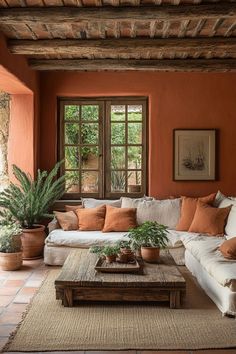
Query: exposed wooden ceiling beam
[
  {"x": 120, "y": 46},
  {"x": 217, "y": 65},
  {"x": 57, "y": 15}
]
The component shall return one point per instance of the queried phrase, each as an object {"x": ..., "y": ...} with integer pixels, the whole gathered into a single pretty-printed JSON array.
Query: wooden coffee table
[{"x": 78, "y": 281}]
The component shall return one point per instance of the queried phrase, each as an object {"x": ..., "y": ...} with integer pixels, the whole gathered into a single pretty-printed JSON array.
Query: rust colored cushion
[
  {"x": 119, "y": 219},
  {"x": 209, "y": 220},
  {"x": 188, "y": 209},
  {"x": 91, "y": 219},
  {"x": 68, "y": 220},
  {"x": 73, "y": 207},
  {"x": 228, "y": 248}
]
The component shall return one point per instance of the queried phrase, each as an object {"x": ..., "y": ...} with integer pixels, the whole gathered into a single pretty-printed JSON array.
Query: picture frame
[{"x": 194, "y": 155}]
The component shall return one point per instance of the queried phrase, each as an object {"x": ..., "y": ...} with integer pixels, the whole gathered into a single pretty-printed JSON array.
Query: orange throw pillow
[
  {"x": 209, "y": 220},
  {"x": 188, "y": 209},
  {"x": 68, "y": 221},
  {"x": 91, "y": 219},
  {"x": 73, "y": 207},
  {"x": 119, "y": 219},
  {"x": 228, "y": 248}
]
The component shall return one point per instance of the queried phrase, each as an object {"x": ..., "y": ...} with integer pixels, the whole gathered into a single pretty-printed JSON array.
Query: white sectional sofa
[{"x": 200, "y": 253}]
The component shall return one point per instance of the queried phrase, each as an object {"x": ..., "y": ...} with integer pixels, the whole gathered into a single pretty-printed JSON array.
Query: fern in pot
[
  {"x": 29, "y": 201},
  {"x": 150, "y": 237},
  {"x": 10, "y": 243}
]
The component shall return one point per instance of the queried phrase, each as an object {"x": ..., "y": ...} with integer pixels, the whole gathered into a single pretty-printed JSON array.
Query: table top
[{"x": 78, "y": 270}]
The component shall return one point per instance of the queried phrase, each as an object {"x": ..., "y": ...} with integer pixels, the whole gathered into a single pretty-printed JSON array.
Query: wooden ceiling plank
[
  {"x": 216, "y": 65},
  {"x": 124, "y": 45},
  {"x": 230, "y": 29},
  {"x": 79, "y": 14}
]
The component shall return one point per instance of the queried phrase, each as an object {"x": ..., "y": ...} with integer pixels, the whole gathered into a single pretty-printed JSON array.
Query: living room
[{"x": 121, "y": 92}]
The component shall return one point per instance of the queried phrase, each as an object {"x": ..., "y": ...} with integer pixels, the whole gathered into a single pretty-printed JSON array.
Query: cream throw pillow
[
  {"x": 94, "y": 203},
  {"x": 166, "y": 212},
  {"x": 230, "y": 228}
]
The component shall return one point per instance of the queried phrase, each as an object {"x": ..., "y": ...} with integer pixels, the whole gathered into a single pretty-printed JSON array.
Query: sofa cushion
[
  {"x": 228, "y": 248},
  {"x": 209, "y": 220},
  {"x": 91, "y": 219},
  {"x": 166, "y": 212},
  {"x": 188, "y": 209},
  {"x": 93, "y": 203},
  {"x": 83, "y": 239},
  {"x": 127, "y": 202},
  {"x": 230, "y": 227},
  {"x": 206, "y": 250},
  {"x": 73, "y": 207},
  {"x": 67, "y": 221},
  {"x": 119, "y": 219}
]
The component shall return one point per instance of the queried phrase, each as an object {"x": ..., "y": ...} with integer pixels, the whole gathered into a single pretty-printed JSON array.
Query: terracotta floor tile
[
  {"x": 9, "y": 291},
  {"x": 33, "y": 283},
  {"x": 28, "y": 291},
  {"x": 14, "y": 283},
  {"x": 9, "y": 318},
  {"x": 19, "y": 275},
  {"x": 22, "y": 299},
  {"x": 5, "y": 331},
  {"x": 5, "y": 300},
  {"x": 15, "y": 308}
]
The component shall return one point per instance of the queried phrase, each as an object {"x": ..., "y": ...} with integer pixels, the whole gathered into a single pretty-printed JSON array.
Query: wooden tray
[{"x": 117, "y": 267}]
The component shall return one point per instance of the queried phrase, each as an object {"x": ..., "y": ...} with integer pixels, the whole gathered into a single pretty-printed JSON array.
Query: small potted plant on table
[
  {"x": 126, "y": 254},
  {"x": 149, "y": 237},
  {"x": 10, "y": 245},
  {"x": 109, "y": 252}
]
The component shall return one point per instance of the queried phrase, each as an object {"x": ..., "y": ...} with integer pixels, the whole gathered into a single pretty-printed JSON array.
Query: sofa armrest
[{"x": 53, "y": 225}]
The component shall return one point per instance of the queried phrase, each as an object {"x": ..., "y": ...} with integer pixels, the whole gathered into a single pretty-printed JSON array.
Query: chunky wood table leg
[
  {"x": 67, "y": 298},
  {"x": 174, "y": 299}
]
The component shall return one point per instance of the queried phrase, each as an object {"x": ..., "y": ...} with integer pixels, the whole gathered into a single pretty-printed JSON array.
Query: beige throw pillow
[{"x": 68, "y": 220}]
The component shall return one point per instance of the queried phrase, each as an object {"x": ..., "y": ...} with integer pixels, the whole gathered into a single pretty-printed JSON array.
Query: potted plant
[
  {"x": 126, "y": 254},
  {"x": 29, "y": 201},
  {"x": 109, "y": 252},
  {"x": 10, "y": 245},
  {"x": 150, "y": 237}
]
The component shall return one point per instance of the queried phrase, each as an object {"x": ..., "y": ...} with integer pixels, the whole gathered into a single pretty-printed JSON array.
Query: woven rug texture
[{"x": 48, "y": 326}]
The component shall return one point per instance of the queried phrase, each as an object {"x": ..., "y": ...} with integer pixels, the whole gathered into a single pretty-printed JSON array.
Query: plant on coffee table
[
  {"x": 150, "y": 237},
  {"x": 109, "y": 252},
  {"x": 126, "y": 254}
]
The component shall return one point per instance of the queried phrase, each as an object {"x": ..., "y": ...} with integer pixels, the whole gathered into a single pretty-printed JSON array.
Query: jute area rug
[{"x": 48, "y": 326}]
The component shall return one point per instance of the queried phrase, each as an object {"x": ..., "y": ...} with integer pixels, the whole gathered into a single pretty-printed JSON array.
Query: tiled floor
[{"x": 16, "y": 290}]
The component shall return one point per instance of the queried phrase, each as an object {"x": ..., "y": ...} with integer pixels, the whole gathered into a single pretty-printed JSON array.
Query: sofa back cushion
[
  {"x": 127, "y": 202},
  {"x": 93, "y": 203},
  {"x": 228, "y": 248},
  {"x": 91, "y": 219},
  {"x": 188, "y": 209},
  {"x": 68, "y": 221},
  {"x": 166, "y": 212},
  {"x": 73, "y": 207},
  {"x": 230, "y": 227},
  {"x": 119, "y": 219},
  {"x": 209, "y": 220}
]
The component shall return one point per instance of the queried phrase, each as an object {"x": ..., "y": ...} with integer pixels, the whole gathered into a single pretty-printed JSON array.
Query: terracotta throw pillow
[
  {"x": 68, "y": 220},
  {"x": 91, "y": 219},
  {"x": 228, "y": 248},
  {"x": 209, "y": 220},
  {"x": 73, "y": 207},
  {"x": 119, "y": 219},
  {"x": 188, "y": 209}
]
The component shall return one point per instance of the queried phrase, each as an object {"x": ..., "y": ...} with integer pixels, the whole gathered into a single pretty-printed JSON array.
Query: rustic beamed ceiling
[{"x": 163, "y": 35}]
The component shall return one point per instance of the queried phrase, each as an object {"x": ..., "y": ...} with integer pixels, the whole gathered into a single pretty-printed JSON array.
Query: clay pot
[
  {"x": 123, "y": 258},
  {"x": 33, "y": 242},
  {"x": 128, "y": 253},
  {"x": 10, "y": 261},
  {"x": 150, "y": 254},
  {"x": 111, "y": 259}
]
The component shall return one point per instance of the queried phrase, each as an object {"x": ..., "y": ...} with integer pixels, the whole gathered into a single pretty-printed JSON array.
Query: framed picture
[{"x": 194, "y": 154}]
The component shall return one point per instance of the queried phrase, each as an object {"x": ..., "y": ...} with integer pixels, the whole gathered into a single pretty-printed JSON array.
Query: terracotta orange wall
[
  {"x": 22, "y": 83},
  {"x": 176, "y": 100}
]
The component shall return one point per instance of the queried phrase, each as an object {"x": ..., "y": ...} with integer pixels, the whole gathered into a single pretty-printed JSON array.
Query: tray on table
[{"x": 117, "y": 267}]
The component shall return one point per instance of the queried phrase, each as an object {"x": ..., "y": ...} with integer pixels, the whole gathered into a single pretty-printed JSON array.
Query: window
[{"x": 103, "y": 143}]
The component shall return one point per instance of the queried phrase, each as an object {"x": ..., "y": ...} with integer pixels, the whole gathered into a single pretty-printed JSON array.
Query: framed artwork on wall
[{"x": 194, "y": 154}]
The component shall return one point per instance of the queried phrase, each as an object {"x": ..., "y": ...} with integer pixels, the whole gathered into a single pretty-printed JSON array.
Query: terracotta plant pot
[
  {"x": 10, "y": 261},
  {"x": 150, "y": 254},
  {"x": 33, "y": 242},
  {"x": 128, "y": 253},
  {"x": 123, "y": 258},
  {"x": 111, "y": 259}
]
